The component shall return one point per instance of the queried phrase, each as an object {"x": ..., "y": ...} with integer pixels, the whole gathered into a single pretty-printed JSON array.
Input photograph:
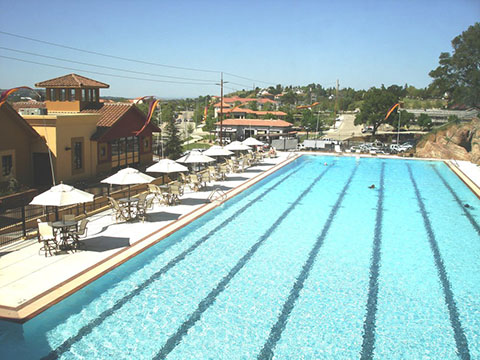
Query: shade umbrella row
[{"x": 65, "y": 195}]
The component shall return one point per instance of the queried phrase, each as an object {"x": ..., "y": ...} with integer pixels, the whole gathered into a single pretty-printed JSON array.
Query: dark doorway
[{"x": 42, "y": 173}]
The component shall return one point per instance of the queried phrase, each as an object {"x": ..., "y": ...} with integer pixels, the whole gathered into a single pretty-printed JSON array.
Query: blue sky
[{"x": 361, "y": 43}]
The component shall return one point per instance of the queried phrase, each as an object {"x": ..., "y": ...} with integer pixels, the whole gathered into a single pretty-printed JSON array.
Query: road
[{"x": 346, "y": 130}]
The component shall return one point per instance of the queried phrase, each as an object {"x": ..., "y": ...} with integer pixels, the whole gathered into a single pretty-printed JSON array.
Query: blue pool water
[{"x": 308, "y": 263}]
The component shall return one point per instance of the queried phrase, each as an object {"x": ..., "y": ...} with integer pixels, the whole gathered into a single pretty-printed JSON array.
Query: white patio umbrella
[
  {"x": 62, "y": 195},
  {"x": 217, "y": 150},
  {"x": 167, "y": 166},
  {"x": 128, "y": 176},
  {"x": 237, "y": 146},
  {"x": 252, "y": 142},
  {"x": 195, "y": 157}
]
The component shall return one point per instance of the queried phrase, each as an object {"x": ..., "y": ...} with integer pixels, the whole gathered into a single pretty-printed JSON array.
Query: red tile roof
[
  {"x": 249, "y": 111},
  {"x": 255, "y": 122},
  {"x": 109, "y": 113},
  {"x": 71, "y": 81}
]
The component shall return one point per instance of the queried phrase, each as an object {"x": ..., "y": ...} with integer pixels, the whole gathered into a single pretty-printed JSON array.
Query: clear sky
[{"x": 360, "y": 42}]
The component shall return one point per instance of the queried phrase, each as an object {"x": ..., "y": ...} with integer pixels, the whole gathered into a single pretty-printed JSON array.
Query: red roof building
[{"x": 240, "y": 129}]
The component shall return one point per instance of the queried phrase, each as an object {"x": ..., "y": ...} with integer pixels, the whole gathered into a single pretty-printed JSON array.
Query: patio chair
[
  {"x": 205, "y": 178},
  {"x": 233, "y": 166},
  {"x": 47, "y": 238},
  {"x": 174, "y": 194},
  {"x": 120, "y": 213},
  {"x": 194, "y": 182},
  {"x": 223, "y": 170},
  {"x": 68, "y": 217},
  {"x": 81, "y": 232},
  {"x": 143, "y": 206},
  {"x": 156, "y": 191}
]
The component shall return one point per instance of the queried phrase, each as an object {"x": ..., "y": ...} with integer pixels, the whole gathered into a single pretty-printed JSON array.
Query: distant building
[
  {"x": 265, "y": 130},
  {"x": 440, "y": 116}
]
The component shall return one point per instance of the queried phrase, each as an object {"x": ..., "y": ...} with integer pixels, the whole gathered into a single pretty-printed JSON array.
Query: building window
[
  {"x": 94, "y": 95},
  {"x": 71, "y": 95},
  {"x": 63, "y": 93},
  {"x": 7, "y": 165},
  {"x": 77, "y": 155},
  {"x": 90, "y": 97},
  {"x": 53, "y": 95},
  {"x": 84, "y": 95}
]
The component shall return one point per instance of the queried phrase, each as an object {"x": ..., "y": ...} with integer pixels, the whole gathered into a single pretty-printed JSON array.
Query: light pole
[{"x": 398, "y": 129}]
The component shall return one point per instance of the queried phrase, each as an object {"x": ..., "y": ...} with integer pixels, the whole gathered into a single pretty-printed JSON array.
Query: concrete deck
[{"x": 30, "y": 282}]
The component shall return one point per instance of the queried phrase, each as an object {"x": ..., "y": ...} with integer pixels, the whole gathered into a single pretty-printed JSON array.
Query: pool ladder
[{"x": 217, "y": 195}]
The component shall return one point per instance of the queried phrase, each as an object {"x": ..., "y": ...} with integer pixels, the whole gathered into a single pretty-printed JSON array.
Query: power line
[
  {"x": 245, "y": 78},
  {"x": 129, "y": 59},
  {"x": 107, "y": 55},
  {"x": 101, "y": 66},
  {"x": 105, "y": 74}
]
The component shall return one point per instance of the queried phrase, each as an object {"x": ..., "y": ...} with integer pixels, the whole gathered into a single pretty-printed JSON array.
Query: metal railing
[{"x": 20, "y": 223}]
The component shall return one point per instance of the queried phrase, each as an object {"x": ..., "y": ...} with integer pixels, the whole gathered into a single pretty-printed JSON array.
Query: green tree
[
  {"x": 173, "y": 146},
  {"x": 252, "y": 105},
  {"x": 406, "y": 119},
  {"x": 374, "y": 108},
  {"x": 424, "y": 121},
  {"x": 459, "y": 74}
]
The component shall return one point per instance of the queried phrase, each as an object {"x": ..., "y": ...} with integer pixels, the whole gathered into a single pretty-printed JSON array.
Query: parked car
[{"x": 367, "y": 129}]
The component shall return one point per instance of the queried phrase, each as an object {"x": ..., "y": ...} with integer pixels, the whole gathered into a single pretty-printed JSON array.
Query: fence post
[{"x": 24, "y": 225}]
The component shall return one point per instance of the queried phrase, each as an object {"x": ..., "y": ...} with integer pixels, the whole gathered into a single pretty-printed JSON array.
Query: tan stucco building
[{"x": 86, "y": 137}]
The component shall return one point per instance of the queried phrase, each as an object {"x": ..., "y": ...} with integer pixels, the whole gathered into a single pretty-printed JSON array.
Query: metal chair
[
  {"x": 47, "y": 237},
  {"x": 117, "y": 211},
  {"x": 143, "y": 206},
  {"x": 81, "y": 232}
]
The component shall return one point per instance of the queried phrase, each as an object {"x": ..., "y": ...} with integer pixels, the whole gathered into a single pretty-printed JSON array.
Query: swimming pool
[{"x": 308, "y": 263}]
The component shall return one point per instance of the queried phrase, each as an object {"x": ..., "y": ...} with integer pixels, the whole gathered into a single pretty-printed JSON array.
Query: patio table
[
  {"x": 129, "y": 202},
  {"x": 65, "y": 227}
]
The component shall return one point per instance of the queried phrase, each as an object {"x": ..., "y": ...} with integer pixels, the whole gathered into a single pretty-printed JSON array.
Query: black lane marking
[
  {"x": 88, "y": 328},
  {"x": 176, "y": 338},
  {"x": 369, "y": 323},
  {"x": 459, "y": 202},
  {"x": 459, "y": 335},
  {"x": 279, "y": 326}
]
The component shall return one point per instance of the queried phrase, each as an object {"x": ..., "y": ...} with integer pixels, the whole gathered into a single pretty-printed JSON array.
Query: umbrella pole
[{"x": 56, "y": 213}]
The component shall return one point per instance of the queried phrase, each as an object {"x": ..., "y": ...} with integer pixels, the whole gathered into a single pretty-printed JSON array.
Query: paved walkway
[{"x": 30, "y": 283}]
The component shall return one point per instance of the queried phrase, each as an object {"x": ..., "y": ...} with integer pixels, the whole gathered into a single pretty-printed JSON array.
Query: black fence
[{"x": 18, "y": 220}]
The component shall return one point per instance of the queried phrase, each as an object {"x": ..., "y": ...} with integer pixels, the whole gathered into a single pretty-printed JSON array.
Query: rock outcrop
[{"x": 456, "y": 141}]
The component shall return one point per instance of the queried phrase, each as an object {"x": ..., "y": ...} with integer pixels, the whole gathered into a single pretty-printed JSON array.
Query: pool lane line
[
  {"x": 203, "y": 306},
  {"x": 369, "y": 323},
  {"x": 277, "y": 329},
  {"x": 88, "y": 328},
  {"x": 459, "y": 334},
  {"x": 459, "y": 202}
]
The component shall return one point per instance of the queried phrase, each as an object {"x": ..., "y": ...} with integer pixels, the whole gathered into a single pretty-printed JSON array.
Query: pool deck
[{"x": 30, "y": 283}]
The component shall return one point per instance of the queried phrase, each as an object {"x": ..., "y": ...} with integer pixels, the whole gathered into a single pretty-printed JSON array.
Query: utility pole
[
  {"x": 336, "y": 106},
  {"x": 221, "y": 109}
]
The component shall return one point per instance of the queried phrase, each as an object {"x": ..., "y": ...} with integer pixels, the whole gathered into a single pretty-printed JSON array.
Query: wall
[
  {"x": 58, "y": 131},
  {"x": 15, "y": 138}
]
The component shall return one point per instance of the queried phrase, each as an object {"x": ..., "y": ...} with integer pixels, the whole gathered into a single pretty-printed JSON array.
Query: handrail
[{"x": 217, "y": 191}]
